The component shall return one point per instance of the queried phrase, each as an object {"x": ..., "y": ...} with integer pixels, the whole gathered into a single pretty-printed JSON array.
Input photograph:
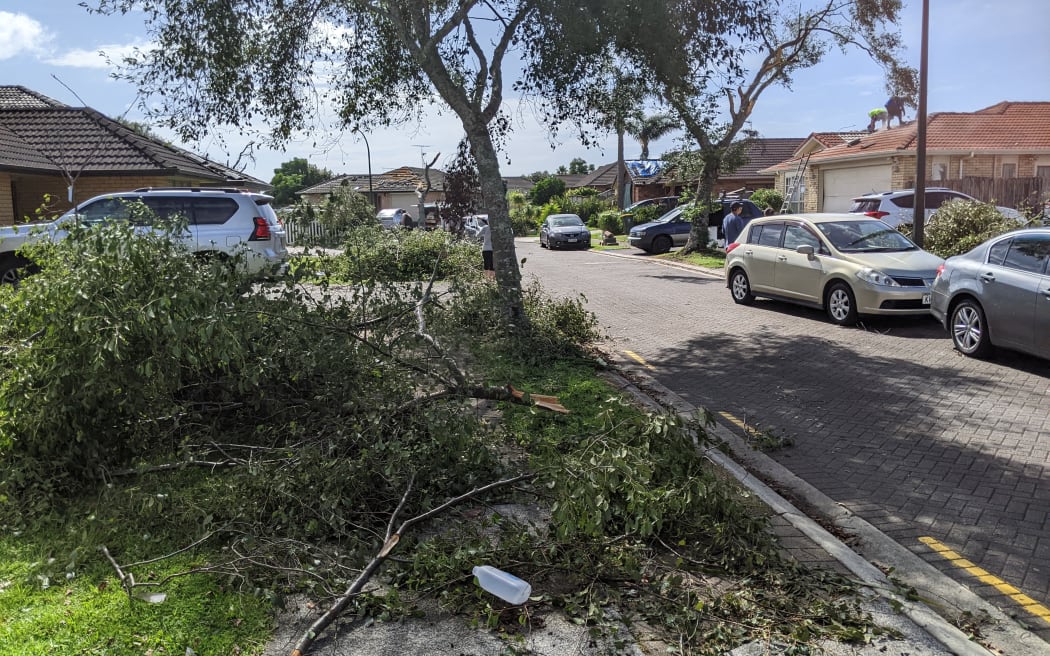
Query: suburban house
[
  {"x": 49, "y": 150},
  {"x": 649, "y": 178},
  {"x": 1004, "y": 142},
  {"x": 391, "y": 189}
]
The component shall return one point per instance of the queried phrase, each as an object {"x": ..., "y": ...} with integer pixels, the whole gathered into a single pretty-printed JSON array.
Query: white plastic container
[{"x": 506, "y": 586}]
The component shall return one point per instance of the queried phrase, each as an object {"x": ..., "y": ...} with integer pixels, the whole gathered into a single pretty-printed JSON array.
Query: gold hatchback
[{"x": 845, "y": 264}]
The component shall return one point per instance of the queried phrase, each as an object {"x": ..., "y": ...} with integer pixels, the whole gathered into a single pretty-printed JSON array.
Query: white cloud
[
  {"x": 20, "y": 34},
  {"x": 97, "y": 57}
]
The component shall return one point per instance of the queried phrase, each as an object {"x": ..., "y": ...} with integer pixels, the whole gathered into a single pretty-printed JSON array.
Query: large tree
[
  {"x": 295, "y": 175},
  {"x": 715, "y": 85},
  {"x": 378, "y": 62}
]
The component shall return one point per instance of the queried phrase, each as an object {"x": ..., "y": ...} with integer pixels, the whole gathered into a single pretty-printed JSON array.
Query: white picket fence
[{"x": 306, "y": 233}]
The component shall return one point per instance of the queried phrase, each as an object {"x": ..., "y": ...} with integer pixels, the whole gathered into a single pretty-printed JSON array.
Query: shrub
[
  {"x": 960, "y": 225},
  {"x": 647, "y": 214},
  {"x": 768, "y": 198},
  {"x": 610, "y": 220},
  {"x": 372, "y": 253}
]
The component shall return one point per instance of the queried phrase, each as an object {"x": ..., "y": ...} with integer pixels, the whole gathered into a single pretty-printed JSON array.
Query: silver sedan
[{"x": 998, "y": 294}]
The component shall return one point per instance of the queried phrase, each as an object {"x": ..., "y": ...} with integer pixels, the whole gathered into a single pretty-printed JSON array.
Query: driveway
[{"x": 949, "y": 456}]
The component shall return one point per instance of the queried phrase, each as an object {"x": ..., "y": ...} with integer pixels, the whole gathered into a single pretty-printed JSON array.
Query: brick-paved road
[{"x": 886, "y": 419}]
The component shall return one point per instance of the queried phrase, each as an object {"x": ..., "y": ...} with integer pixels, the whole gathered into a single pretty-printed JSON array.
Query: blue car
[{"x": 672, "y": 229}]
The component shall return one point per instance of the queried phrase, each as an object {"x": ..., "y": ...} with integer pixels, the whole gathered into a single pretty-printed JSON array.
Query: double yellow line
[{"x": 1026, "y": 602}]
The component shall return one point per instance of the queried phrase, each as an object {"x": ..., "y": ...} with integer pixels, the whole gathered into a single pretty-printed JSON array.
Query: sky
[{"x": 981, "y": 52}]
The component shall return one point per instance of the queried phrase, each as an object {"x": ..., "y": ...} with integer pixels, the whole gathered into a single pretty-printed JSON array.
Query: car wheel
[
  {"x": 841, "y": 305},
  {"x": 542, "y": 245},
  {"x": 970, "y": 329},
  {"x": 740, "y": 288},
  {"x": 661, "y": 244},
  {"x": 14, "y": 269}
]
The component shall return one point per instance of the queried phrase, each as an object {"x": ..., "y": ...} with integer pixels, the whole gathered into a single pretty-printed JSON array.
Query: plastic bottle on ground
[{"x": 506, "y": 586}]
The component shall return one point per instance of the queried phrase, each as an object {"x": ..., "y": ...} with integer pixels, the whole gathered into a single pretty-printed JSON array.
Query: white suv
[
  {"x": 897, "y": 207},
  {"x": 221, "y": 222}
]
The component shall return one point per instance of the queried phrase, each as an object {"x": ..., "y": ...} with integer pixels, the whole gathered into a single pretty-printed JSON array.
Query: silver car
[
  {"x": 998, "y": 294},
  {"x": 845, "y": 264}
]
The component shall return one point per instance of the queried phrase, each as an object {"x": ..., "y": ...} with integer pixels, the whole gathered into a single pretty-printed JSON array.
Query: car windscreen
[
  {"x": 566, "y": 221},
  {"x": 669, "y": 216},
  {"x": 864, "y": 237}
]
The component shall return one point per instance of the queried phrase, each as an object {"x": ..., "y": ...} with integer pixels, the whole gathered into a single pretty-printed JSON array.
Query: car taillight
[
  {"x": 262, "y": 229},
  {"x": 730, "y": 247},
  {"x": 940, "y": 270},
  {"x": 875, "y": 214}
]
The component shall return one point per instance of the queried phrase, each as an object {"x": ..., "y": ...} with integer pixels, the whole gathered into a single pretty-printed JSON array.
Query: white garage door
[
  {"x": 841, "y": 186},
  {"x": 408, "y": 201}
]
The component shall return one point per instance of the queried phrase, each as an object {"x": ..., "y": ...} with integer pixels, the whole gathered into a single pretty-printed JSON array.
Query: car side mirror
[{"x": 805, "y": 249}]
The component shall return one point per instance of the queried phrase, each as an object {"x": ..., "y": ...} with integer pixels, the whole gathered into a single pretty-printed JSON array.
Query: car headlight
[
  {"x": 639, "y": 233},
  {"x": 876, "y": 277}
]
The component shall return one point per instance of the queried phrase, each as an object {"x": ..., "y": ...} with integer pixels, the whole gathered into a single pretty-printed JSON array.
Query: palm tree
[{"x": 649, "y": 128}]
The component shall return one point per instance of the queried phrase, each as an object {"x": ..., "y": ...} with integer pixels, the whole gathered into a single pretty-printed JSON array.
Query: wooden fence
[{"x": 1018, "y": 193}]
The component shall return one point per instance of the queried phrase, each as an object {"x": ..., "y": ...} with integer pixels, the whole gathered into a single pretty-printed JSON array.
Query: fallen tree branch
[{"x": 392, "y": 538}]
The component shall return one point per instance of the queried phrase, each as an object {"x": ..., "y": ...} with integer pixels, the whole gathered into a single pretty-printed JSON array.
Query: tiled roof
[
  {"x": 763, "y": 153},
  {"x": 401, "y": 180},
  {"x": 1007, "y": 127},
  {"x": 16, "y": 97},
  {"x": 53, "y": 137}
]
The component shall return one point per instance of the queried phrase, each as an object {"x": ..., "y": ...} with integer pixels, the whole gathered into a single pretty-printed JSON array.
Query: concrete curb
[{"x": 1006, "y": 637}]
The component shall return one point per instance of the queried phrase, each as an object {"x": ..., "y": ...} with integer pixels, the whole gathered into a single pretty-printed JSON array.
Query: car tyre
[
  {"x": 740, "y": 288},
  {"x": 542, "y": 245},
  {"x": 969, "y": 329},
  {"x": 15, "y": 269},
  {"x": 661, "y": 244},
  {"x": 841, "y": 305}
]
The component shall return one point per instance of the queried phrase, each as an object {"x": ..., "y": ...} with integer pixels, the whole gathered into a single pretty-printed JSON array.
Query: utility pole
[{"x": 919, "y": 220}]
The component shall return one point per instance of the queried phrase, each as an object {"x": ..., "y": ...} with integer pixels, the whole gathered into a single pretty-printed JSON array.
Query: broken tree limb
[{"x": 392, "y": 538}]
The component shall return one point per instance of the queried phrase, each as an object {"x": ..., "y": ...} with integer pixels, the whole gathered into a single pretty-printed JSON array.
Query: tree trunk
[
  {"x": 494, "y": 201},
  {"x": 698, "y": 233}
]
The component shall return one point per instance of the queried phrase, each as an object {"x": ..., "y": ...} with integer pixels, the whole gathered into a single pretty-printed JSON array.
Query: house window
[
  {"x": 939, "y": 169},
  {"x": 796, "y": 192},
  {"x": 1009, "y": 170},
  {"x": 1042, "y": 172}
]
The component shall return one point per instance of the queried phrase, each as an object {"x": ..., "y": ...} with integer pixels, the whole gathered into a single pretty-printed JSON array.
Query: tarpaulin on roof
[{"x": 644, "y": 168}]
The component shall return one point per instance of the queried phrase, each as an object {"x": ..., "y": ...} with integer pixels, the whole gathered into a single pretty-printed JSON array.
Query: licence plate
[
  {"x": 573, "y": 240},
  {"x": 926, "y": 299}
]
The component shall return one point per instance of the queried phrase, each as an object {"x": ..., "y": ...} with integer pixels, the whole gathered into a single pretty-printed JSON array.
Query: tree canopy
[{"x": 294, "y": 176}]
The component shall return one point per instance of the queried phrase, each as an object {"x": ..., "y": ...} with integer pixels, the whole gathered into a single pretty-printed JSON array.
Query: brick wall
[
  {"x": 23, "y": 195},
  {"x": 7, "y": 206}
]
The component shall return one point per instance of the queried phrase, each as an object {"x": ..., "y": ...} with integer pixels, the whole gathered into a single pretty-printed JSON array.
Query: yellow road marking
[
  {"x": 637, "y": 358},
  {"x": 1026, "y": 602},
  {"x": 733, "y": 420}
]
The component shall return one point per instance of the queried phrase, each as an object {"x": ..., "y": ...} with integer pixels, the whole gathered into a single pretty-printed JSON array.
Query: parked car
[
  {"x": 393, "y": 217},
  {"x": 672, "y": 229},
  {"x": 666, "y": 203},
  {"x": 998, "y": 294},
  {"x": 847, "y": 265},
  {"x": 898, "y": 207},
  {"x": 221, "y": 222},
  {"x": 564, "y": 230}
]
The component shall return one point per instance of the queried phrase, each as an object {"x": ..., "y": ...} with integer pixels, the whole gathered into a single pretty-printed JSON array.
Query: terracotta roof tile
[{"x": 1006, "y": 127}]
